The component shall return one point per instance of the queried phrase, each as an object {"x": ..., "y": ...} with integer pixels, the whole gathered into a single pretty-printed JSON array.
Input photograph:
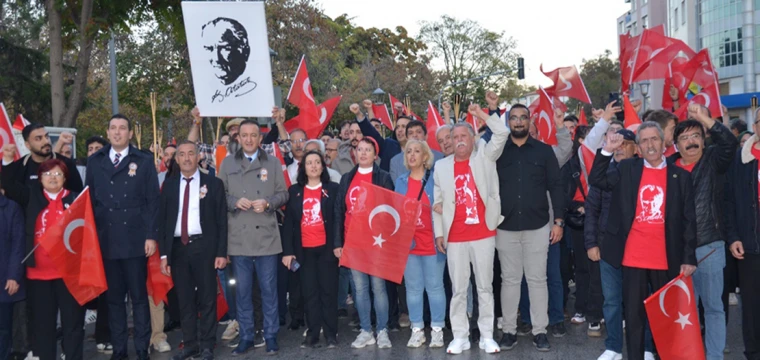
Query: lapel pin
[
  {"x": 132, "y": 169},
  {"x": 204, "y": 191}
]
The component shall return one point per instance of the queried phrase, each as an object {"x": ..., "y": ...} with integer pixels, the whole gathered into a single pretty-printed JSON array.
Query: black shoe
[
  {"x": 394, "y": 327},
  {"x": 558, "y": 329},
  {"x": 272, "y": 347},
  {"x": 234, "y": 342},
  {"x": 187, "y": 354},
  {"x": 342, "y": 313},
  {"x": 541, "y": 342},
  {"x": 475, "y": 335},
  {"x": 310, "y": 342},
  {"x": 143, "y": 355},
  {"x": 508, "y": 341},
  {"x": 332, "y": 343},
  {"x": 295, "y": 325},
  {"x": 283, "y": 322},
  {"x": 172, "y": 325},
  {"x": 524, "y": 329},
  {"x": 258, "y": 339},
  {"x": 116, "y": 356},
  {"x": 207, "y": 354}
]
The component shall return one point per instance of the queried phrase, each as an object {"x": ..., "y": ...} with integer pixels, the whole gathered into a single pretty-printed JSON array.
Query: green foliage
[{"x": 601, "y": 75}]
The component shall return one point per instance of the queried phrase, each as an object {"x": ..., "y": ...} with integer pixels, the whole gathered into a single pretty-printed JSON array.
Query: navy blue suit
[{"x": 125, "y": 202}]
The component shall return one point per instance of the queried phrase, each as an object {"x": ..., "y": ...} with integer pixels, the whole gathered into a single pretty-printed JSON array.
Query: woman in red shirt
[
  {"x": 424, "y": 268},
  {"x": 308, "y": 233},
  {"x": 46, "y": 292}
]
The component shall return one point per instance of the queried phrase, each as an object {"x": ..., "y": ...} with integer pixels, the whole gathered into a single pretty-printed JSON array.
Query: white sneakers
[
  {"x": 383, "y": 342},
  {"x": 363, "y": 339},
  {"x": 456, "y": 346},
  {"x": 162, "y": 346},
  {"x": 90, "y": 317},
  {"x": 489, "y": 345},
  {"x": 648, "y": 356},
  {"x": 417, "y": 339},
  {"x": 610, "y": 355},
  {"x": 436, "y": 338},
  {"x": 578, "y": 318},
  {"x": 232, "y": 330}
]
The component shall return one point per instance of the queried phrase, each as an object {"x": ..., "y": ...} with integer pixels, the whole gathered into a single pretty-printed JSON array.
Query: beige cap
[{"x": 233, "y": 122}]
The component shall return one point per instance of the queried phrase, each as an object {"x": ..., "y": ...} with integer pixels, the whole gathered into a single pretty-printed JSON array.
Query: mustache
[
  {"x": 692, "y": 146},
  {"x": 461, "y": 143}
]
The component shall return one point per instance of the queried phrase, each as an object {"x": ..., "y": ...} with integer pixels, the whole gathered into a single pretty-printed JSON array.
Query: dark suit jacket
[
  {"x": 125, "y": 204},
  {"x": 12, "y": 243},
  {"x": 34, "y": 202},
  {"x": 680, "y": 218},
  {"x": 291, "y": 229},
  {"x": 213, "y": 214}
]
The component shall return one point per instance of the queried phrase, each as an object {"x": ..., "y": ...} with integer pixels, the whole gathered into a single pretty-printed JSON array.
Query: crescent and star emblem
[
  {"x": 683, "y": 320},
  {"x": 545, "y": 117},
  {"x": 307, "y": 89},
  {"x": 707, "y": 99},
  {"x": 322, "y": 115},
  {"x": 568, "y": 85},
  {"x": 384, "y": 209},
  {"x": 5, "y": 137},
  {"x": 67, "y": 233}
]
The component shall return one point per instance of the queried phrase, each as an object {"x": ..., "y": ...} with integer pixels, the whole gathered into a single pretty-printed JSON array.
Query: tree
[
  {"x": 467, "y": 50},
  {"x": 513, "y": 90},
  {"x": 601, "y": 75}
]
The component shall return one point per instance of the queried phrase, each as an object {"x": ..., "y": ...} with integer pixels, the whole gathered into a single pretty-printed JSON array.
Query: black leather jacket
[{"x": 709, "y": 179}]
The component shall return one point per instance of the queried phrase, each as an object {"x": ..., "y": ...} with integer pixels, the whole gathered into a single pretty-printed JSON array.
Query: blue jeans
[
  {"x": 612, "y": 289},
  {"x": 266, "y": 271},
  {"x": 425, "y": 273},
  {"x": 344, "y": 280},
  {"x": 6, "y": 329},
  {"x": 362, "y": 302},
  {"x": 554, "y": 284},
  {"x": 708, "y": 285}
]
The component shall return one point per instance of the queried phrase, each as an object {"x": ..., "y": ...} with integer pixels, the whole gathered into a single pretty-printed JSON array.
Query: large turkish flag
[
  {"x": 567, "y": 82},
  {"x": 380, "y": 233},
  {"x": 300, "y": 93},
  {"x": 674, "y": 320},
  {"x": 314, "y": 124},
  {"x": 72, "y": 244},
  {"x": 544, "y": 119}
]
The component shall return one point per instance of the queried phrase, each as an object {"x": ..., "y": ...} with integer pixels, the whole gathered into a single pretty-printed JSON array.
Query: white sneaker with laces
[
  {"x": 578, "y": 318},
  {"x": 232, "y": 330},
  {"x": 383, "y": 342},
  {"x": 648, "y": 356},
  {"x": 417, "y": 339},
  {"x": 162, "y": 346},
  {"x": 489, "y": 345},
  {"x": 436, "y": 338},
  {"x": 90, "y": 317},
  {"x": 456, "y": 346},
  {"x": 363, "y": 339},
  {"x": 610, "y": 355}
]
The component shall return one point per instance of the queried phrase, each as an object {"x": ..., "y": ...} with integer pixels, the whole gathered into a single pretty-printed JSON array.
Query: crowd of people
[{"x": 508, "y": 224}]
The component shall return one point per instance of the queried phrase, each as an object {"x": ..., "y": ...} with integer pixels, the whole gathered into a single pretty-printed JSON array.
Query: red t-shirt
[
  {"x": 645, "y": 247},
  {"x": 352, "y": 195},
  {"x": 44, "y": 267},
  {"x": 756, "y": 154},
  {"x": 312, "y": 223},
  {"x": 469, "y": 217},
  {"x": 688, "y": 168},
  {"x": 423, "y": 235}
]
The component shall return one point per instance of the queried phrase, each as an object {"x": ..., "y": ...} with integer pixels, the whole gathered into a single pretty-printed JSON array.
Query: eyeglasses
[
  {"x": 329, "y": 150},
  {"x": 521, "y": 118},
  {"x": 52, "y": 174},
  {"x": 693, "y": 136}
]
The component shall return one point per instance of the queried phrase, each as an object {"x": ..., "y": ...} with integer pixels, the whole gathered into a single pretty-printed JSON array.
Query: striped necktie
[{"x": 116, "y": 160}]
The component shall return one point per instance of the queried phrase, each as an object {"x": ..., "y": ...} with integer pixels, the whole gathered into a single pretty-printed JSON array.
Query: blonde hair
[{"x": 428, "y": 164}]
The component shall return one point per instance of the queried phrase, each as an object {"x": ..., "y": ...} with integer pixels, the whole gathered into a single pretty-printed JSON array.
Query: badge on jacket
[
  {"x": 204, "y": 191},
  {"x": 132, "y": 169},
  {"x": 263, "y": 174}
]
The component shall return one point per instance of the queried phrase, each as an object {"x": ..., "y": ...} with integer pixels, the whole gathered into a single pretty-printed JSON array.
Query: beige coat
[
  {"x": 251, "y": 233},
  {"x": 483, "y": 166}
]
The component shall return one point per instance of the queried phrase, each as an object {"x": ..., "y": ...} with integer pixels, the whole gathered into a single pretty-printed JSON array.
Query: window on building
[
  {"x": 727, "y": 46},
  {"x": 757, "y": 38},
  {"x": 683, "y": 12},
  {"x": 633, "y": 5},
  {"x": 675, "y": 16},
  {"x": 645, "y": 22},
  {"x": 621, "y": 27},
  {"x": 634, "y": 29}
]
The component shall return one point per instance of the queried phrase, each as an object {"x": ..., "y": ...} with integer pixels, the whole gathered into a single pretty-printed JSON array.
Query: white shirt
[
  {"x": 252, "y": 156},
  {"x": 194, "y": 210},
  {"x": 123, "y": 154},
  {"x": 646, "y": 163},
  {"x": 293, "y": 171}
]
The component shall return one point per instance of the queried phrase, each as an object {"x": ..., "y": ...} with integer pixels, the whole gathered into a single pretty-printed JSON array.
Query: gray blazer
[{"x": 251, "y": 233}]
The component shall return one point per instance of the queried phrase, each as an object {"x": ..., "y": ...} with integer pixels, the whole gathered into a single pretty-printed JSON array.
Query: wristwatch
[{"x": 559, "y": 222}]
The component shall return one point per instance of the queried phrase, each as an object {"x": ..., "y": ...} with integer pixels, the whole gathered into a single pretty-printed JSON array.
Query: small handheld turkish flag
[
  {"x": 20, "y": 123},
  {"x": 434, "y": 121},
  {"x": 6, "y": 135},
  {"x": 300, "y": 93},
  {"x": 313, "y": 124},
  {"x": 567, "y": 82},
  {"x": 382, "y": 114},
  {"x": 674, "y": 320},
  {"x": 381, "y": 231},
  {"x": 158, "y": 284},
  {"x": 544, "y": 119},
  {"x": 632, "y": 120},
  {"x": 73, "y": 246}
]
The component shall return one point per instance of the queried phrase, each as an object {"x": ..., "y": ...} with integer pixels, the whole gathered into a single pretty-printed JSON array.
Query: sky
[{"x": 553, "y": 32}]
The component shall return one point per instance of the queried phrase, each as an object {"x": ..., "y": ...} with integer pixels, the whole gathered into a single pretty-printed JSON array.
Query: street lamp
[
  {"x": 378, "y": 95},
  {"x": 644, "y": 85}
]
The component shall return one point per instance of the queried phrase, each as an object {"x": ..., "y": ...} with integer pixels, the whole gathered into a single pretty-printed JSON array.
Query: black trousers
[
  {"x": 128, "y": 276},
  {"x": 588, "y": 280},
  {"x": 749, "y": 283},
  {"x": 391, "y": 289},
  {"x": 297, "y": 301},
  {"x": 45, "y": 299},
  {"x": 636, "y": 288},
  {"x": 194, "y": 279},
  {"x": 102, "y": 331},
  {"x": 173, "y": 306},
  {"x": 319, "y": 281},
  {"x": 565, "y": 267}
]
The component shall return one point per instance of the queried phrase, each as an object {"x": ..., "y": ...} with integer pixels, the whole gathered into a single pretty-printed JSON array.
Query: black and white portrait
[
  {"x": 225, "y": 42},
  {"x": 229, "y": 57}
]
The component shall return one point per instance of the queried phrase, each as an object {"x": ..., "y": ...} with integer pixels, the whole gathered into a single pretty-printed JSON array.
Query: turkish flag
[
  {"x": 381, "y": 231},
  {"x": 278, "y": 153},
  {"x": 158, "y": 284},
  {"x": 6, "y": 135},
  {"x": 632, "y": 120},
  {"x": 700, "y": 70},
  {"x": 628, "y": 51},
  {"x": 674, "y": 320},
  {"x": 582, "y": 118},
  {"x": 655, "y": 53},
  {"x": 434, "y": 121},
  {"x": 72, "y": 244},
  {"x": 300, "y": 93},
  {"x": 314, "y": 125},
  {"x": 709, "y": 97},
  {"x": 567, "y": 82},
  {"x": 20, "y": 123},
  {"x": 382, "y": 114},
  {"x": 221, "y": 303},
  {"x": 406, "y": 111},
  {"x": 556, "y": 102},
  {"x": 544, "y": 119}
]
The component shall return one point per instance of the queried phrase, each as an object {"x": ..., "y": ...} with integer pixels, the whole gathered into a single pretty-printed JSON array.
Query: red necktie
[{"x": 185, "y": 206}]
